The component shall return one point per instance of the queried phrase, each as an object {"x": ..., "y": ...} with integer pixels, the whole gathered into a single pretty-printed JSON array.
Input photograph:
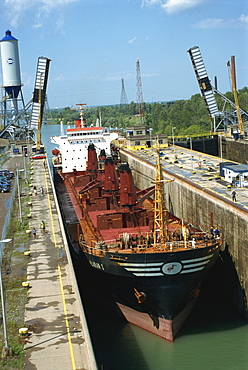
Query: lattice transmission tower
[
  {"x": 123, "y": 101},
  {"x": 139, "y": 94}
]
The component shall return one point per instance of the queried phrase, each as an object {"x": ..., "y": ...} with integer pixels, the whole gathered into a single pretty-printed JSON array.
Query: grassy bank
[{"x": 14, "y": 273}]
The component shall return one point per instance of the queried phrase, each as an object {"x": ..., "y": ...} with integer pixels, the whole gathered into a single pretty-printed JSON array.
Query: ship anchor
[{"x": 141, "y": 296}]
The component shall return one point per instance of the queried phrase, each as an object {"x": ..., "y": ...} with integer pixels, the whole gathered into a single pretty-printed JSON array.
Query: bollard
[
  {"x": 23, "y": 332},
  {"x": 25, "y": 284}
]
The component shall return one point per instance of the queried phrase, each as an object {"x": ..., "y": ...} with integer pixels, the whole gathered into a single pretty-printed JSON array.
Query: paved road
[{"x": 11, "y": 165}]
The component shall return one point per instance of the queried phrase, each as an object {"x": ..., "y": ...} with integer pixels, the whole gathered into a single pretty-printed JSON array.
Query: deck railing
[{"x": 102, "y": 248}]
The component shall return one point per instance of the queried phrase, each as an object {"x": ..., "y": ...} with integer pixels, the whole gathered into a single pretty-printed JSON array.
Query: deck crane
[
  {"x": 160, "y": 233},
  {"x": 231, "y": 66}
]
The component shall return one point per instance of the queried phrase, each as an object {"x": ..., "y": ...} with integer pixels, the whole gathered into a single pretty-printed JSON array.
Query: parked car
[
  {"x": 4, "y": 189},
  {"x": 3, "y": 177},
  {"x": 7, "y": 173},
  {"x": 3, "y": 183}
]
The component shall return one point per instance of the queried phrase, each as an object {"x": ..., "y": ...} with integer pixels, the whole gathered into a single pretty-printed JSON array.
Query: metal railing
[
  {"x": 103, "y": 248},
  {"x": 7, "y": 218}
]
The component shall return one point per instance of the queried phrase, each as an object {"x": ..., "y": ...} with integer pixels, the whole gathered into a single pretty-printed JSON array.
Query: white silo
[{"x": 11, "y": 69}]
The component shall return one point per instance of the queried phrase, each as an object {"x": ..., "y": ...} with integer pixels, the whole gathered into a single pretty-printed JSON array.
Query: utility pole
[
  {"x": 139, "y": 94},
  {"x": 234, "y": 90}
]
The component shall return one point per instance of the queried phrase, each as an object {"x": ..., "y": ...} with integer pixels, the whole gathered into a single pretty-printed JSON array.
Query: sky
[{"x": 94, "y": 44}]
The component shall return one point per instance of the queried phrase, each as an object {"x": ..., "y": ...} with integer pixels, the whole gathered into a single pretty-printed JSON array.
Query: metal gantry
[
  {"x": 123, "y": 101},
  {"x": 221, "y": 118},
  {"x": 39, "y": 95}
]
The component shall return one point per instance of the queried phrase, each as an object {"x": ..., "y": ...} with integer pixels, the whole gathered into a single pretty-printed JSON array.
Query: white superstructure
[{"x": 73, "y": 147}]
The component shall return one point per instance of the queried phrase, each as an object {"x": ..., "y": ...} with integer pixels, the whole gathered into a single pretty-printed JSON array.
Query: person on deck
[
  {"x": 34, "y": 233},
  {"x": 234, "y": 196},
  {"x": 43, "y": 226}
]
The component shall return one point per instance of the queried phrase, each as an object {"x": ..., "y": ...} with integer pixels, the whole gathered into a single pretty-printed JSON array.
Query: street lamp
[
  {"x": 6, "y": 348},
  {"x": 150, "y": 131},
  {"x": 19, "y": 195},
  {"x": 221, "y": 154},
  {"x": 173, "y": 138}
]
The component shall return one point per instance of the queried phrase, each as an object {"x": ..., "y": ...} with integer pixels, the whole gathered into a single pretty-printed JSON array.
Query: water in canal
[{"x": 215, "y": 337}]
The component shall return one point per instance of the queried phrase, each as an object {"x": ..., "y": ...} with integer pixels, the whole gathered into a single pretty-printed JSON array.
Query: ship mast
[
  {"x": 81, "y": 111},
  {"x": 160, "y": 232}
]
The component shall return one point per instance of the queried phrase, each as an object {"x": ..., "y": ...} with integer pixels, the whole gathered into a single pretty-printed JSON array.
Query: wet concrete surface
[
  {"x": 200, "y": 168},
  {"x": 58, "y": 336}
]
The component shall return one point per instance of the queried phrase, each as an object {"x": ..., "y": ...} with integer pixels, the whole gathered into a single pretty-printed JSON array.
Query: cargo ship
[{"x": 147, "y": 262}]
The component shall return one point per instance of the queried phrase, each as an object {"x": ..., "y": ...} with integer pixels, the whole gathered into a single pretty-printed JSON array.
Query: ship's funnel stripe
[
  {"x": 192, "y": 270},
  {"x": 198, "y": 259},
  {"x": 140, "y": 264},
  {"x": 153, "y": 269},
  {"x": 140, "y": 269},
  {"x": 196, "y": 264},
  {"x": 147, "y": 274}
]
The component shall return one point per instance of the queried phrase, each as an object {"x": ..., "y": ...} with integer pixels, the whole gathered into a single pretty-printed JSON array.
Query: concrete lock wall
[
  {"x": 236, "y": 151},
  {"x": 194, "y": 203}
]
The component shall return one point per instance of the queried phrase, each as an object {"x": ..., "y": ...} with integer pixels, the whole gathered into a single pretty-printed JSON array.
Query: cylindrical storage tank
[{"x": 10, "y": 64}]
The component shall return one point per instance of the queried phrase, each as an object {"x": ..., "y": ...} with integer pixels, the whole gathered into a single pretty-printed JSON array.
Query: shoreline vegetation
[
  {"x": 14, "y": 274},
  {"x": 188, "y": 117}
]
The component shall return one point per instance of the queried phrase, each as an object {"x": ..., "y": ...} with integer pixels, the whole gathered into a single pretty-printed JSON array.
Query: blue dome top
[{"x": 8, "y": 36}]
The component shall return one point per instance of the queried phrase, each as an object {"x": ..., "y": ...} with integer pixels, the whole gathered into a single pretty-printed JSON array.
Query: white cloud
[
  {"x": 151, "y": 2},
  {"x": 27, "y": 80},
  {"x": 15, "y": 10},
  {"x": 60, "y": 24},
  {"x": 240, "y": 22},
  {"x": 210, "y": 23},
  {"x": 243, "y": 18},
  {"x": 172, "y": 6},
  {"x": 149, "y": 74},
  {"x": 60, "y": 77},
  {"x": 133, "y": 40},
  {"x": 37, "y": 25}
]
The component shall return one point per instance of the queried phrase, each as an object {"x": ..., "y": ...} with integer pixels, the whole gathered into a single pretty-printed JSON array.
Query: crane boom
[
  {"x": 38, "y": 135},
  {"x": 235, "y": 94}
]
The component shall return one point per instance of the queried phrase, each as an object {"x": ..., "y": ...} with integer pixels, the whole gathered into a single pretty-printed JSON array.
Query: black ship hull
[
  {"x": 158, "y": 291},
  {"x": 153, "y": 287}
]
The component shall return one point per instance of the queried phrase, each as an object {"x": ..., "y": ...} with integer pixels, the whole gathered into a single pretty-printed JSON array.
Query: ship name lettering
[{"x": 97, "y": 265}]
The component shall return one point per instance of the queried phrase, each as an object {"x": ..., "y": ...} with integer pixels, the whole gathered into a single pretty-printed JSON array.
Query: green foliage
[{"x": 188, "y": 116}]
